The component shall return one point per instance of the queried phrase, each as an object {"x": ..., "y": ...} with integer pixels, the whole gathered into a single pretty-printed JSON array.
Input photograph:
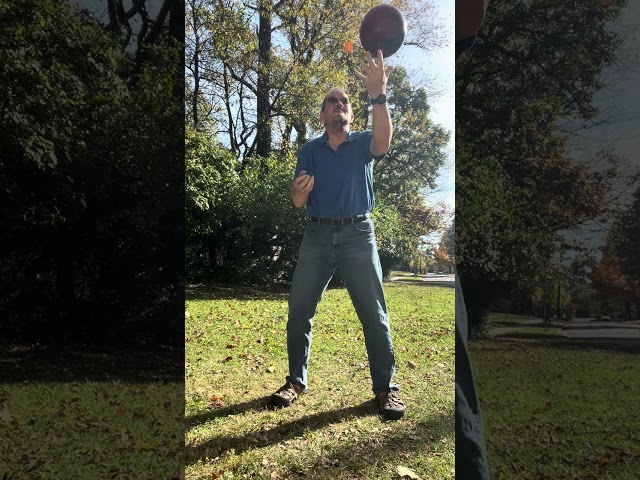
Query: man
[{"x": 334, "y": 179}]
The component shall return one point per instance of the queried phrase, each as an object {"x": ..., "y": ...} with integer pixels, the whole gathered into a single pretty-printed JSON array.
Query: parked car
[{"x": 605, "y": 318}]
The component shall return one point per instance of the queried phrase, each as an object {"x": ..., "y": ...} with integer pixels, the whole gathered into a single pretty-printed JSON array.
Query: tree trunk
[
  {"x": 263, "y": 105},
  {"x": 196, "y": 70},
  {"x": 286, "y": 141},
  {"x": 301, "y": 138}
]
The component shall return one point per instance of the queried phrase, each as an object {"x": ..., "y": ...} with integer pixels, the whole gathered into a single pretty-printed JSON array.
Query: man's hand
[
  {"x": 301, "y": 188},
  {"x": 304, "y": 182},
  {"x": 375, "y": 75}
]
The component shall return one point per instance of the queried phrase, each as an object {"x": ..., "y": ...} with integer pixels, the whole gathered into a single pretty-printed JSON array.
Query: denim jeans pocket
[{"x": 365, "y": 226}]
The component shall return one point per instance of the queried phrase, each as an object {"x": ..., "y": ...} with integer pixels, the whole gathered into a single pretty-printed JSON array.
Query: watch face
[{"x": 381, "y": 99}]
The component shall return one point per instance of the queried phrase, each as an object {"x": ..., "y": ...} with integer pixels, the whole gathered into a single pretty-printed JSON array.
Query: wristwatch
[{"x": 379, "y": 100}]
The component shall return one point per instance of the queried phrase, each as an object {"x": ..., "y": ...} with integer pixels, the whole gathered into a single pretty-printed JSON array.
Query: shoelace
[
  {"x": 394, "y": 399},
  {"x": 286, "y": 387}
]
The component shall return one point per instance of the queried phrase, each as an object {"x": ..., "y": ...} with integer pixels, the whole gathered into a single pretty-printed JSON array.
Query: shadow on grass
[
  {"x": 236, "y": 292},
  {"x": 422, "y": 283},
  {"x": 257, "y": 404},
  {"x": 601, "y": 326},
  {"x": 622, "y": 345},
  {"x": 285, "y": 431},
  {"x": 433, "y": 428},
  {"x": 533, "y": 336},
  {"x": 515, "y": 323},
  {"x": 37, "y": 363}
]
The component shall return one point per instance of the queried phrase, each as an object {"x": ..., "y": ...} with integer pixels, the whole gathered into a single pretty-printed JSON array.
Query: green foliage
[
  {"x": 91, "y": 152},
  {"x": 516, "y": 187},
  {"x": 448, "y": 240},
  {"x": 627, "y": 244},
  {"x": 418, "y": 149},
  {"x": 228, "y": 70},
  {"x": 616, "y": 276},
  {"x": 240, "y": 223}
]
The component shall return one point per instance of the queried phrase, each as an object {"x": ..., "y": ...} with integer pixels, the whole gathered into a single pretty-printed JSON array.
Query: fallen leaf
[
  {"x": 271, "y": 369},
  {"x": 405, "y": 472},
  {"x": 412, "y": 365}
]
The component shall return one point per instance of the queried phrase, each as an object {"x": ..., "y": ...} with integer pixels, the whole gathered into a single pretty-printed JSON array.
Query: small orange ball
[{"x": 348, "y": 47}]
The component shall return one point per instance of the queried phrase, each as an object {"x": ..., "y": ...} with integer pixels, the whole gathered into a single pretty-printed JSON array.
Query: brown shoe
[
  {"x": 390, "y": 405},
  {"x": 287, "y": 394}
]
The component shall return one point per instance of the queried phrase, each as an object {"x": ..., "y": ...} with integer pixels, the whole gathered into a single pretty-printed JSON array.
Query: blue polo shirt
[{"x": 343, "y": 185}]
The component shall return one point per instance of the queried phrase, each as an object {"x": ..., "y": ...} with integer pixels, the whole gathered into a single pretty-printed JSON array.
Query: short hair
[{"x": 333, "y": 90}]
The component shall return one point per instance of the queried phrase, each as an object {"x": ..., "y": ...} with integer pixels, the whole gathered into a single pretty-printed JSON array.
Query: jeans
[
  {"x": 351, "y": 249},
  {"x": 471, "y": 450}
]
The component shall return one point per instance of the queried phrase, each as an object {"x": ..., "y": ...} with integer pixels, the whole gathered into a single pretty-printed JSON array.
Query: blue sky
[
  {"x": 618, "y": 103},
  {"x": 439, "y": 65}
]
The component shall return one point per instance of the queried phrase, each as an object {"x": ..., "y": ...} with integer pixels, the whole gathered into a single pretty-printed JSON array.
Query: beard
[{"x": 339, "y": 122}]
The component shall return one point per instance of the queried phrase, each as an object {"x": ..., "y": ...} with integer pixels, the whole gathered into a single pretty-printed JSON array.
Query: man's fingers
[
  {"x": 380, "y": 59},
  {"x": 304, "y": 183},
  {"x": 300, "y": 181},
  {"x": 307, "y": 185},
  {"x": 370, "y": 59}
]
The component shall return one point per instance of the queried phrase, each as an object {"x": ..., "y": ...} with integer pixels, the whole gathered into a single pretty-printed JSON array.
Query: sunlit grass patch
[{"x": 236, "y": 358}]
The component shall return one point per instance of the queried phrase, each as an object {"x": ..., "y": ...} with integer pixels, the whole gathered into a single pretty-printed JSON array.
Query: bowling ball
[{"x": 384, "y": 28}]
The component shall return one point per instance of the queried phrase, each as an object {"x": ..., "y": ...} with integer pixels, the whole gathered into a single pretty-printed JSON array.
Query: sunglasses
[{"x": 335, "y": 100}]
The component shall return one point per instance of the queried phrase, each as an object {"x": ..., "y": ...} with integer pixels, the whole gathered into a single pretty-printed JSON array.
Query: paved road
[
  {"x": 609, "y": 332},
  {"x": 624, "y": 334},
  {"x": 442, "y": 278},
  {"x": 439, "y": 277}
]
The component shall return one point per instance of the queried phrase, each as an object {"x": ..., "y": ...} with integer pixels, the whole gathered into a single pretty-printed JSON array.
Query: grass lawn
[
  {"x": 87, "y": 430},
  {"x": 236, "y": 358},
  {"x": 558, "y": 409}
]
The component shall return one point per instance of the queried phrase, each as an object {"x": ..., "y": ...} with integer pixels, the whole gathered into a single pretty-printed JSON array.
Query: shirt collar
[{"x": 350, "y": 137}]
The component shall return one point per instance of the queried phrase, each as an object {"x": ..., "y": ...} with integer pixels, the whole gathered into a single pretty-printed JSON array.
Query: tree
[
  {"x": 256, "y": 76},
  {"x": 517, "y": 189},
  {"x": 272, "y": 61},
  {"x": 448, "y": 240},
  {"x": 91, "y": 155},
  {"x": 617, "y": 274}
]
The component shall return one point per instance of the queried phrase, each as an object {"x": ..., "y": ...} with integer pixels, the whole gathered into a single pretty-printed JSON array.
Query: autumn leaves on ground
[
  {"x": 236, "y": 357},
  {"x": 82, "y": 428}
]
